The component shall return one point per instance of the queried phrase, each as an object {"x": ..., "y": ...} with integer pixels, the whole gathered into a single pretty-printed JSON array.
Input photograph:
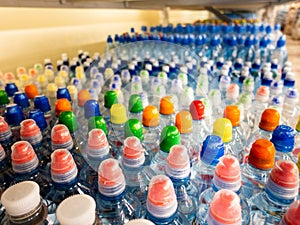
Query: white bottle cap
[
  {"x": 21, "y": 198},
  {"x": 77, "y": 210},
  {"x": 139, "y": 222}
]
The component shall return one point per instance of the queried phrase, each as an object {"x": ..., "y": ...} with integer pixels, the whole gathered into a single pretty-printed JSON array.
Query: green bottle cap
[
  {"x": 97, "y": 122},
  {"x": 110, "y": 98},
  {"x": 134, "y": 127},
  {"x": 135, "y": 104},
  {"x": 3, "y": 98},
  {"x": 69, "y": 120},
  {"x": 169, "y": 136}
]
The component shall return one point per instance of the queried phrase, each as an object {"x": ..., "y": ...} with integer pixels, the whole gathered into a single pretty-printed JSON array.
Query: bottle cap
[
  {"x": 83, "y": 96},
  {"x": 110, "y": 98},
  {"x": 166, "y": 106},
  {"x": 41, "y": 102},
  {"x": 69, "y": 120},
  {"x": 228, "y": 174},
  {"x": 77, "y": 210},
  {"x": 232, "y": 113},
  {"x": 135, "y": 104},
  {"x": 73, "y": 92},
  {"x": 11, "y": 89},
  {"x": 62, "y": 105},
  {"x": 31, "y": 91},
  {"x": 97, "y": 122},
  {"x": 97, "y": 144},
  {"x": 262, "y": 154},
  {"x": 2, "y": 153},
  {"x": 134, "y": 127},
  {"x": 118, "y": 114},
  {"x": 39, "y": 118},
  {"x": 63, "y": 167},
  {"x": 139, "y": 222},
  {"x": 23, "y": 157},
  {"x": 262, "y": 94},
  {"x": 197, "y": 110},
  {"x": 292, "y": 216},
  {"x": 283, "y": 138},
  {"x": 225, "y": 208},
  {"x": 14, "y": 115},
  {"x": 151, "y": 116},
  {"x": 91, "y": 108},
  {"x": 184, "y": 122},
  {"x": 5, "y": 131},
  {"x": 223, "y": 128},
  {"x": 233, "y": 91},
  {"x": 178, "y": 162},
  {"x": 111, "y": 181},
  {"x": 133, "y": 153},
  {"x": 269, "y": 119},
  {"x": 292, "y": 96},
  {"x": 161, "y": 200},
  {"x": 248, "y": 84},
  {"x": 61, "y": 138},
  {"x": 283, "y": 181},
  {"x": 63, "y": 93},
  {"x": 59, "y": 81},
  {"x": 3, "y": 98},
  {"x": 169, "y": 136},
  {"x": 30, "y": 132},
  {"x": 21, "y": 198},
  {"x": 21, "y": 100},
  {"x": 51, "y": 90},
  {"x": 212, "y": 150}
]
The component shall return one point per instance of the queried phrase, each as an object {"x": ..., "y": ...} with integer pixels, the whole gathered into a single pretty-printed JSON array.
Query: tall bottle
[
  {"x": 115, "y": 205},
  {"x": 162, "y": 203}
]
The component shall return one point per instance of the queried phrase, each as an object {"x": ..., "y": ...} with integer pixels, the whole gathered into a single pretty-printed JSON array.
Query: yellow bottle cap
[
  {"x": 64, "y": 74},
  {"x": 223, "y": 128},
  {"x": 184, "y": 122},
  {"x": 51, "y": 90},
  {"x": 108, "y": 73},
  {"x": 24, "y": 79},
  {"x": 79, "y": 69},
  {"x": 42, "y": 80},
  {"x": 298, "y": 125},
  {"x": 73, "y": 92},
  {"x": 49, "y": 74},
  {"x": 59, "y": 81},
  {"x": 166, "y": 106},
  {"x": 118, "y": 114},
  {"x": 81, "y": 76}
]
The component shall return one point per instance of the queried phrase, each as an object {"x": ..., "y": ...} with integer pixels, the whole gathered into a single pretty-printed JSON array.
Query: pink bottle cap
[
  {"x": 228, "y": 173},
  {"x": 225, "y": 208},
  {"x": 2, "y": 153},
  {"x": 161, "y": 200},
  {"x": 233, "y": 91},
  {"x": 111, "y": 181},
  {"x": 61, "y": 137},
  {"x": 9, "y": 77},
  {"x": 23, "y": 157},
  {"x": 292, "y": 216},
  {"x": 63, "y": 167},
  {"x": 30, "y": 132},
  {"x": 133, "y": 152},
  {"x": 262, "y": 94},
  {"x": 5, "y": 131},
  {"x": 178, "y": 162},
  {"x": 97, "y": 144}
]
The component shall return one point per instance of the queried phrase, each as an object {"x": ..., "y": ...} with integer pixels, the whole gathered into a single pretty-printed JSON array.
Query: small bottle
[
  {"x": 257, "y": 167},
  {"x": 3, "y": 102},
  {"x": 227, "y": 176},
  {"x": 179, "y": 171},
  {"x": 281, "y": 190},
  {"x": 6, "y": 138},
  {"x": 42, "y": 103},
  {"x": 23, "y": 205},
  {"x": 97, "y": 122},
  {"x": 14, "y": 116},
  {"x": 135, "y": 107},
  {"x": 167, "y": 111},
  {"x": 162, "y": 203},
  {"x": 77, "y": 210},
  {"x": 283, "y": 138},
  {"x": 169, "y": 137},
  {"x": 292, "y": 216},
  {"x": 115, "y": 205},
  {"x": 110, "y": 98}
]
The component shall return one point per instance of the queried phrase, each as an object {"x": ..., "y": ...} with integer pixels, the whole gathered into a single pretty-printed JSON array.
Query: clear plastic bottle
[
  {"x": 115, "y": 205},
  {"x": 169, "y": 137},
  {"x": 281, "y": 190},
  {"x": 232, "y": 94},
  {"x": 51, "y": 94},
  {"x": 280, "y": 51},
  {"x": 139, "y": 222},
  {"x": 167, "y": 111},
  {"x": 290, "y": 111},
  {"x": 179, "y": 170},
  {"x": 162, "y": 204}
]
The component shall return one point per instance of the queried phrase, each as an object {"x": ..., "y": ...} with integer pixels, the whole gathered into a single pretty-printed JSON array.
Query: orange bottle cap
[
  {"x": 31, "y": 91},
  {"x": 166, "y": 105},
  {"x": 62, "y": 161},
  {"x": 232, "y": 113},
  {"x": 184, "y": 122},
  {"x": 62, "y": 105},
  {"x": 83, "y": 96},
  {"x": 151, "y": 116},
  {"x": 269, "y": 119}
]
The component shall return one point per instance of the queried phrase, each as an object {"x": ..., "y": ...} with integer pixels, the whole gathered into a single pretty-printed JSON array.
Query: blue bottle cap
[
  {"x": 277, "y": 26},
  {"x": 20, "y": 98},
  {"x": 232, "y": 41},
  {"x": 116, "y": 39},
  {"x": 109, "y": 39},
  {"x": 11, "y": 89},
  {"x": 215, "y": 40},
  {"x": 91, "y": 108},
  {"x": 132, "y": 29},
  {"x": 39, "y": 118},
  {"x": 41, "y": 102},
  {"x": 262, "y": 28},
  {"x": 281, "y": 41},
  {"x": 263, "y": 42},
  {"x": 144, "y": 28},
  {"x": 14, "y": 115},
  {"x": 289, "y": 83},
  {"x": 249, "y": 41},
  {"x": 269, "y": 29},
  {"x": 212, "y": 150},
  {"x": 283, "y": 138},
  {"x": 63, "y": 93}
]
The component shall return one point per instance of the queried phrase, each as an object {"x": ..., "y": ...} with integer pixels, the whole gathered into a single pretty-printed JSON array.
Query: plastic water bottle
[
  {"x": 116, "y": 134},
  {"x": 14, "y": 116},
  {"x": 162, "y": 204},
  {"x": 292, "y": 215},
  {"x": 290, "y": 111},
  {"x": 169, "y": 137},
  {"x": 257, "y": 167},
  {"x": 280, "y": 52},
  {"x": 232, "y": 94},
  {"x": 23, "y": 204},
  {"x": 281, "y": 190},
  {"x": 51, "y": 94},
  {"x": 179, "y": 170},
  {"x": 227, "y": 176},
  {"x": 135, "y": 107},
  {"x": 25, "y": 166},
  {"x": 6, "y": 138},
  {"x": 167, "y": 111},
  {"x": 115, "y": 205},
  {"x": 82, "y": 97},
  {"x": 77, "y": 209},
  {"x": 91, "y": 108},
  {"x": 110, "y": 98}
]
